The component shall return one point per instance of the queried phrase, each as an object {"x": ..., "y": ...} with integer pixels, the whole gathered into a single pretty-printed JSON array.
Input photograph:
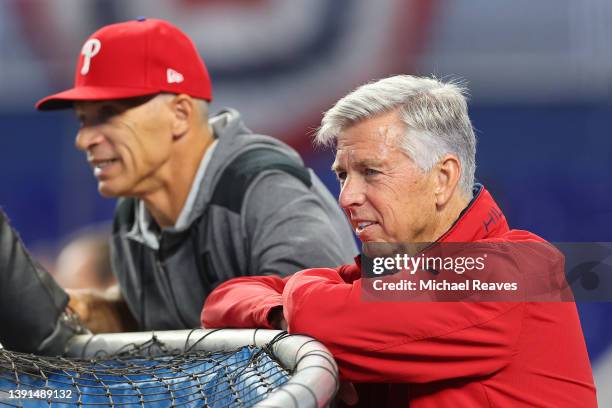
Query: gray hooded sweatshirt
[{"x": 256, "y": 211}]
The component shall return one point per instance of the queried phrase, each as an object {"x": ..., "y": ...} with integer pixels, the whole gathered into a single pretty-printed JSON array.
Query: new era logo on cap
[
  {"x": 174, "y": 77},
  {"x": 135, "y": 58}
]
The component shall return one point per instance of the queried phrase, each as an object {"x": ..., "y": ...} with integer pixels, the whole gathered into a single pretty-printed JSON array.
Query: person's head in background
[
  {"x": 84, "y": 261},
  {"x": 141, "y": 97}
]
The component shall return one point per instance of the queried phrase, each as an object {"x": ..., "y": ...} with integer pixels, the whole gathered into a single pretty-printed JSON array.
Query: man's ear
[
  {"x": 182, "y": 107},
  {"x": 446, "y": 178}
]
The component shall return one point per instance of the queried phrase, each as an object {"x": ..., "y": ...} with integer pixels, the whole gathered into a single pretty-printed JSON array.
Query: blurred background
[{"x": 540, "y": 75}]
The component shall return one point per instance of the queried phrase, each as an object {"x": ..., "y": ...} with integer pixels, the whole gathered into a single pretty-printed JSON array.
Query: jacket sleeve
[
  {"x": 400, "y": 341},
  {"x": 243, "y": 302},
  {"x": 288, "y": 229}
]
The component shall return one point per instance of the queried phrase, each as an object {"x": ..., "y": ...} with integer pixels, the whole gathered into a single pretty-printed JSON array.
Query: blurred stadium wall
[{"x": 540, "y": 74}]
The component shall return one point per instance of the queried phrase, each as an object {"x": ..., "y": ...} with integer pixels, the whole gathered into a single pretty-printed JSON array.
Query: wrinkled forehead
[
  {"x": 385, "y": 129},
  {"x": 378, "y": 137}
]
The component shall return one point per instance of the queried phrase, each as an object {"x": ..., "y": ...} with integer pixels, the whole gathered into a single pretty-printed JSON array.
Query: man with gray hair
[
  {"x": 405, "y": 161},
  {"x": 203, "y": 199}
]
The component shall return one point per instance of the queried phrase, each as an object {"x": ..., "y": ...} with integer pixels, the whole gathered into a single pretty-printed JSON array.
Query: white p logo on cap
[{"x": 90, "y": 49}]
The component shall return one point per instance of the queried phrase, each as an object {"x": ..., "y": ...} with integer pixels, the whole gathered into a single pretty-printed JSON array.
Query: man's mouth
[
  {"x": 100, "y": 165},
  {"x": 361, "y": 226}
]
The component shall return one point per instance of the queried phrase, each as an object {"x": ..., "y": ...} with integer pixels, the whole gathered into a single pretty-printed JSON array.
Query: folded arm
[
  {"x": 400, "y": 341},
  {"x": 243, "y": 302}
]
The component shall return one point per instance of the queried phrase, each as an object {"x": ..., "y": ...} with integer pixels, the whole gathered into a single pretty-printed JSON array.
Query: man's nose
[
  {"x": 88, "y": 137},
  {"x": 352, "y": 193}
]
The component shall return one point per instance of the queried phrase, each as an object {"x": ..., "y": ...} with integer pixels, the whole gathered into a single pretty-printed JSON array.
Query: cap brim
[{"x": 66, "y": 99}]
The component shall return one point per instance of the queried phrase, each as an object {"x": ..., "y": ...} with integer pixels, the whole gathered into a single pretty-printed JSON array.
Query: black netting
[{"x": 135, "y": 377}]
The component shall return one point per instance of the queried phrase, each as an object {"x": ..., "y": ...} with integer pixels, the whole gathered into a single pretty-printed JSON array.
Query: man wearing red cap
[{"x": 203, "y": 200}]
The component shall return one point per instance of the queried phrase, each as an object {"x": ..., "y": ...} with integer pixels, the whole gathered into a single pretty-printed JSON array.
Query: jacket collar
[{"x": 481, "y": 219}]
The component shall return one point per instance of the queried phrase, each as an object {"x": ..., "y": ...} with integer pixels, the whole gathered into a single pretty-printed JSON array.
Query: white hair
[{"x": 434, "y": 113}]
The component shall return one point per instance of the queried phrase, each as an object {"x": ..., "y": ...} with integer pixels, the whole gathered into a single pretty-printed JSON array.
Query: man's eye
[
  {"x": 106, "y": 113},
  {"x": 341, "y": 176},
  {"x": 371, "y": 172}
]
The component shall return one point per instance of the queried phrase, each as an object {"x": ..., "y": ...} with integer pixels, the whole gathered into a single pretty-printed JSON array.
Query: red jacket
[{"x": 443, "y": 354}]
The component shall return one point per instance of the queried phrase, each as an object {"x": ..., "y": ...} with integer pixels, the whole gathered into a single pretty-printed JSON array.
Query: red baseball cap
[{"x": 135, "y": 58}]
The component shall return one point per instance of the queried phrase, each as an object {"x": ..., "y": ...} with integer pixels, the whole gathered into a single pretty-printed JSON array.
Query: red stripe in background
[
  {"x": 223, "y": 3},
  {"x": 43, "y": 37},
  {"x": 413, "y": 35},
  {"x": 412, "y": 30}
]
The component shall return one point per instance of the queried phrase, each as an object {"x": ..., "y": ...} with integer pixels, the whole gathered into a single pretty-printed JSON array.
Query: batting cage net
[{"x": 203, "y": 368}]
